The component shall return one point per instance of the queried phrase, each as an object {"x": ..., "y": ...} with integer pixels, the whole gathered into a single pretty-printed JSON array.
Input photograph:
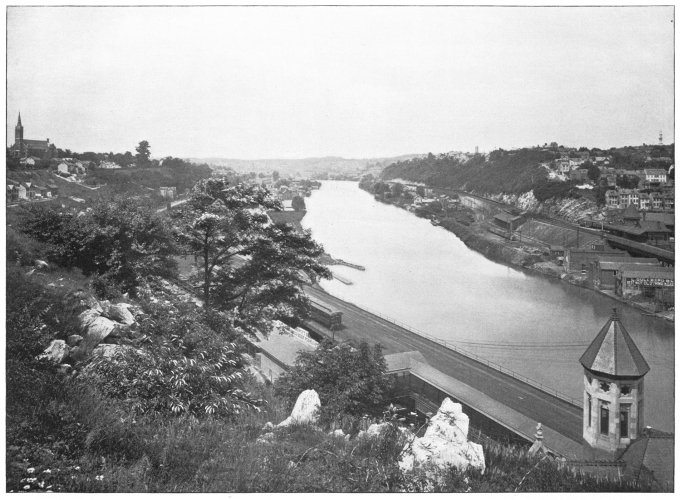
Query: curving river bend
[{"x": 425, "y": 277}]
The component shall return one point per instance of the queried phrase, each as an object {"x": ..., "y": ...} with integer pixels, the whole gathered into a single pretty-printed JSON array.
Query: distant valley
[{"x": 307, "y": 167}]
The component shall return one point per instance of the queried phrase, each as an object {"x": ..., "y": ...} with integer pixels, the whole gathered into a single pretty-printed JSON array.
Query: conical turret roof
[{"x": 613, "y": 352}]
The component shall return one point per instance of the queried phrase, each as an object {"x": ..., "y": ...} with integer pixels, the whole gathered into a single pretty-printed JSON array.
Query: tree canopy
[
  {"x": 143, "y": 153},
  {"x": 298, "y": 203},
  {"x": 248, "y": 265},
  {"x": 121, "y": 241},
  {"x": 348, "y": 380}
]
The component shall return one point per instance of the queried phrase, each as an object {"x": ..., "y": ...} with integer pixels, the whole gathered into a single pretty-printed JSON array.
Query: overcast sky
[{"x": 354, "y": 82}]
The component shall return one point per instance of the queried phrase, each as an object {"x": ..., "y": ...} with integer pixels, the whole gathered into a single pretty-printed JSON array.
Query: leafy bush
[
  {"x": 22, "y": 249},
  {"x": 349, "y": 381},
  {"x": 105, "y": 288},
  {"x": 553, "y": 189},
  {"x": 122, "y": 241},
  {"x": 184, "y": 368}
]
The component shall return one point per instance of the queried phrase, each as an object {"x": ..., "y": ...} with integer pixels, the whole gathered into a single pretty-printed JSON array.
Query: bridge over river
[{"x": 510, "y": 400}]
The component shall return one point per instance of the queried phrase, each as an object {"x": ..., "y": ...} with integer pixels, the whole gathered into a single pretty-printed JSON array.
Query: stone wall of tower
[{"x": 613, "y": 394}]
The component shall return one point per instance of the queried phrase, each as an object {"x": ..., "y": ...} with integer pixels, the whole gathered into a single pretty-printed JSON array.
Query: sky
[{"x": 356, "y": 82}]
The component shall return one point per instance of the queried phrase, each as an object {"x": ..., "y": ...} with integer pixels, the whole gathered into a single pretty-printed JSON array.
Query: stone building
[{"x": 613, "y": 396}]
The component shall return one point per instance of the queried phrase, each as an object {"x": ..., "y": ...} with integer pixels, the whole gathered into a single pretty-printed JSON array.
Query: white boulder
[
  {"x": 120, "y": 313},
  {"x": 306, "y": 409},
  {"x": 98, "y": 327},
  {"x": 445, "y": 442},
  {"x": 56, "y": 352}
]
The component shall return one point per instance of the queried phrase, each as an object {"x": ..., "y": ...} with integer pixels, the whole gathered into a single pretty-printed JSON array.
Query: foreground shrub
[
  {"x": 349, "y": 381},
  {"x": 122, "y": 241},
  {"x": 184, "y": 367}
]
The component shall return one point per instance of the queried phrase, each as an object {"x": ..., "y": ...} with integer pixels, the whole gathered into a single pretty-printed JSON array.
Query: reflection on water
[{"x": 426, "y": 277}]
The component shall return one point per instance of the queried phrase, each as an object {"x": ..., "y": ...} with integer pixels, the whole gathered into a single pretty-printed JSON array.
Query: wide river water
[{"x": 424, "y": 276}]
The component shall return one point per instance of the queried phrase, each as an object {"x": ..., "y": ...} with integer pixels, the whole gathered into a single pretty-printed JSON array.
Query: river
[{"x": 425, "y": 277}]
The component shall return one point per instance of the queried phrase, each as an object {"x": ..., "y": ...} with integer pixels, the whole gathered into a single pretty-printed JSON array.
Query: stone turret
[{"x": 613, "y": 388}]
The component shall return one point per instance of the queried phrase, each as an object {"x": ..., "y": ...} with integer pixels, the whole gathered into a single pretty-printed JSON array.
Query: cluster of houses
[
  {"x": 571, "y": 162},
  {"x": 654, "y": 192},
  {"x": 71, "y": 169},
  {"x": 423, "y": 196},
  {"x": 29, "y": 191}
]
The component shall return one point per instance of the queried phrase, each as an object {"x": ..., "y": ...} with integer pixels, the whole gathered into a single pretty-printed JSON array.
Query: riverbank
[{"x": 519, "y": 256}]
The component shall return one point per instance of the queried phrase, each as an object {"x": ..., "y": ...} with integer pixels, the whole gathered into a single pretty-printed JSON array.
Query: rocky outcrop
[
  {"x": 114, "y": 323},
  {"x": 119, "y": 313},
  {"x": 56, "y": 352},
  {"x": 571, "y": 209},
  {"x": 445, "y": 442},
  {"x": 305, "y": 411},
  {"x": 97, "y": 327}
]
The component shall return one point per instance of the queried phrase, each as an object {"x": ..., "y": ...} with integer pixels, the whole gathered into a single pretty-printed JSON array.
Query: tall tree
[
  {"x": 143, "y": 153},
  {"x": 298, "y": 203},
  {"x": 248, "y": 265}
]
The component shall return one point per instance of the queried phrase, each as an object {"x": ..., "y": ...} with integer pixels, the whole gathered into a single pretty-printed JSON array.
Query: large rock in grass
[
  {"x": 56, "y": 352},
  {"x": 306, "y": 409},
  {"x": 120, "y": 313},
  {"x": 445, "y": 442},
  {"x": 97, "y": 329}
]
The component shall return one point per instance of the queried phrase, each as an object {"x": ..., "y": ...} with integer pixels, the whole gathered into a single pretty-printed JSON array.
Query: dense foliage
[
  {"x": 505, "y": 171},
  {"x": 553, "y": 189},
  {"x": 186, "y": 367},
  {"x": 350, "y": 381},
  {"x": 121, "y": 241},
  {"x": 221, "y": 223}
]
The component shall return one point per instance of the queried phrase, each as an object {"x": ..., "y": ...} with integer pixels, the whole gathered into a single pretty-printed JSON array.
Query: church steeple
[{"x": 18, "y": 132}]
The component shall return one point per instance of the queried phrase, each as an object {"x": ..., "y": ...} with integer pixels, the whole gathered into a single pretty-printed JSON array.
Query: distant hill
[
  {"x": 514, "y": 171},
  {"x": 305, "y": 167},
  {"x": 519, "y": 170}
]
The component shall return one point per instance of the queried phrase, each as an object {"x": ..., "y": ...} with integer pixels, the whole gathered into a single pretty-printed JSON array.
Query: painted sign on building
[{"x": 659, "y": 282}]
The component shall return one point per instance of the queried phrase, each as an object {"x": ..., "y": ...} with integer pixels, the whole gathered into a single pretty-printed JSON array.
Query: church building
[{"x": 27, "y": 147}]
